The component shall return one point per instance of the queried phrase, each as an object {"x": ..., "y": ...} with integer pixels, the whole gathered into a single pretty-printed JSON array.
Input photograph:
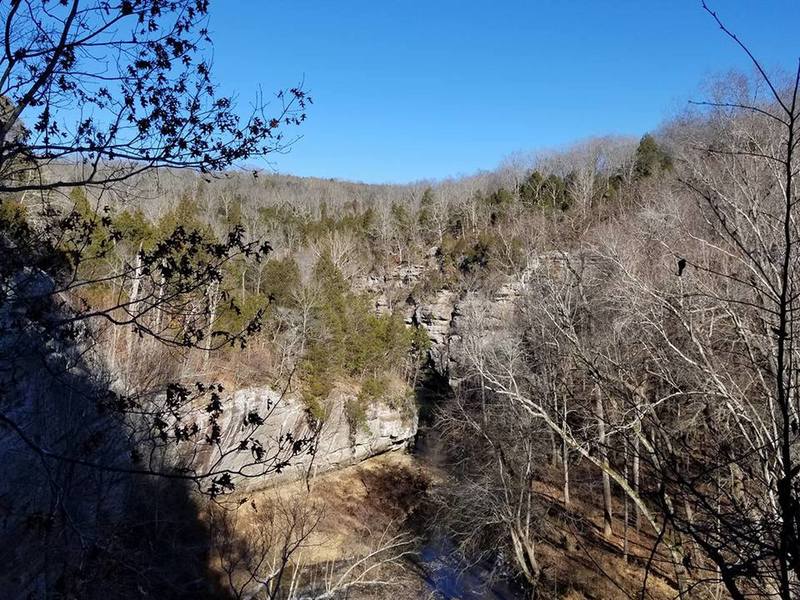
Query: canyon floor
[{"x": 375, "y": 523}]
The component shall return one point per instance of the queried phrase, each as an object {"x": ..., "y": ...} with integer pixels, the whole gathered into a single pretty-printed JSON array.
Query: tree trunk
[
  {"x": 133, "y": 307},
  {"x": 627, "y": 509},
  {"x": 635, "y": 466},
  {"x": 603, "y": 455},
  {"x": 525, "y": 555},
  {"x": 565, "y": 454},
  {"x": 213, "y": 299},
  {"x": 159, "y": 311}
]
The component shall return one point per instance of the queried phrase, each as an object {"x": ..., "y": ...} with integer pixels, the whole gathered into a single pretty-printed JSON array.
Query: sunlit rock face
[
  {"x": 436, "y": 317},
  {"x": 443, "y": 313},
  {"x": 449, "y": 317},
  {"x": 322, "y": 445}
]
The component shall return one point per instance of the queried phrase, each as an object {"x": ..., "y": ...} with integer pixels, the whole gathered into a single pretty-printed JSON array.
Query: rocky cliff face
[
  {"x": 54, "y": 503},
  {"x": 336, "y": 442},
  {"x": 446, "y": 314},
  {"x": 443, "y": 314},
  {"x": 437, "y": 317}
]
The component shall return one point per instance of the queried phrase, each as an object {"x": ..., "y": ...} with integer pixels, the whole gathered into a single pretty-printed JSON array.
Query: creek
[{"x": 438, "y": 559}]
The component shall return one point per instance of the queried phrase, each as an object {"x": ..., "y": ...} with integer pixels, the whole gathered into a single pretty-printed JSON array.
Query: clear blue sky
[{"x": 407, "y": 90}]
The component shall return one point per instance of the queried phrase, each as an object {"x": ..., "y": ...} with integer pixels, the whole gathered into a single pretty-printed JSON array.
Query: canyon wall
[{"x": 333, "y": 442}]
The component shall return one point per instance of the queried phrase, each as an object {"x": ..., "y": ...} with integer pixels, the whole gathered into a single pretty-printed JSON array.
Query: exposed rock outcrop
[
  {"x": 436, "y": 317},
  {"x": 441, "y": 313},
  {"x": 336, "y": 442},
  {"x": 446, "y": 314}
]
